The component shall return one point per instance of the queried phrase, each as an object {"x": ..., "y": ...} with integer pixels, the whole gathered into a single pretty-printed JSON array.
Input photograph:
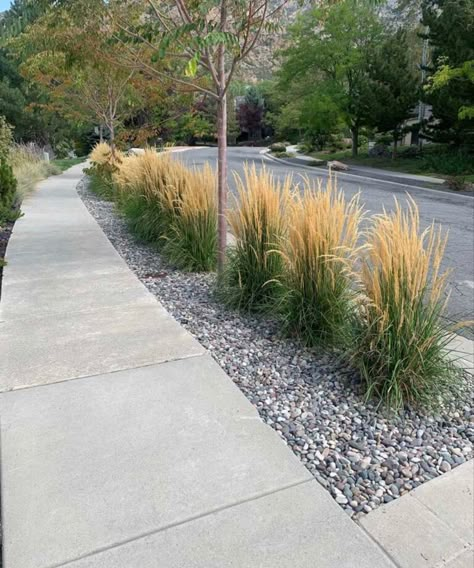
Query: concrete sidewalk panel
[
  {"x": 45, "y": 350},
  {"x": 44, "y": 267},
  {"x": 451, "y": 498},
  {"x": 50, "y": 296},
  {"x": 91, "y": 463},
  {"x": 258, "y": 534},
  {"x": 412, "y": 534},
  {"x": 464, "y": 560},
  {"x": 23, "y": 248}
]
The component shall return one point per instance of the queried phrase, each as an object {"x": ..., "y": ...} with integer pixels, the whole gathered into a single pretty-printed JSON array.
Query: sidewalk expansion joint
[
  {"x": 180, "y": 523},
  {"x": 102, "y": 374}
]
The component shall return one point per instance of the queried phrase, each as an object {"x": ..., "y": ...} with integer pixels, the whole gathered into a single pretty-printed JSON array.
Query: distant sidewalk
[{"x": 124, "y": 444}]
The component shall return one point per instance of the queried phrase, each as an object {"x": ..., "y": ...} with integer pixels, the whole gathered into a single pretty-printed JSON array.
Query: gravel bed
[{"x": 362, "y": 455}]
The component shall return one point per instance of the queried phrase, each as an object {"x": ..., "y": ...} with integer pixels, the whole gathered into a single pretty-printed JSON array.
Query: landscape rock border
[{"x": 362, "y": 455}]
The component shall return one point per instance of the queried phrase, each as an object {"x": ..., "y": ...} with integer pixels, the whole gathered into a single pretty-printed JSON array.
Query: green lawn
[
  {"x": 66, "y": 163},
  {"x": 435, "y": 161}
]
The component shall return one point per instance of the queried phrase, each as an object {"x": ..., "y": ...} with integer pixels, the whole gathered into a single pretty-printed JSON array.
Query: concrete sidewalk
[
  {"x": 123, "y": 443},
  {"x": 432, "y": 526}
]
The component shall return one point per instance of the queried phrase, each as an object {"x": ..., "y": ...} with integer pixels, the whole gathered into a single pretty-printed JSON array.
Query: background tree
[
  {"x": 250, "y": 113},
  {"x": 394, "y": 83},
  {"x": 204, "y": 43},
  {"x": 330, "y": 48},
  {"x": 68, "y": 56},
  {"x": 450, "y": 30}
]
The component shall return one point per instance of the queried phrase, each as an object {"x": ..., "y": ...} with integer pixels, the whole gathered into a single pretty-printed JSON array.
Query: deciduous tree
[{"x": 203, "y": 43}]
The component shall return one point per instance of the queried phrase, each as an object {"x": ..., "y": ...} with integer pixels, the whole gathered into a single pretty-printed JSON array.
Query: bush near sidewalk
[
  {"x": 29, "y": 167},
  {"x": 296, "y": 256},
  {"x": 8, "y": 188},
  {"x": 104, "y": 164},
  {"x": 21, "y": 167},
  {"x": 165, "y": 203},
  {"x": 254, "y": 267},
  {"x": 401, "y": 342},
  {"x": 320, "y": 252}
]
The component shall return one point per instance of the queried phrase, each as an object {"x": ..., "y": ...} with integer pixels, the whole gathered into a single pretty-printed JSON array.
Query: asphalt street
[{"x": 455, "y": 212}]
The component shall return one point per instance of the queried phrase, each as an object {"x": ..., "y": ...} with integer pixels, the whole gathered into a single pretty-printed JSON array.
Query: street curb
[{"x": 265, "y": 154}]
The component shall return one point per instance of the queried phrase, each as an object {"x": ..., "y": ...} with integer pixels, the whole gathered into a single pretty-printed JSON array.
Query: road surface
[{"x": 455, "y": 212}]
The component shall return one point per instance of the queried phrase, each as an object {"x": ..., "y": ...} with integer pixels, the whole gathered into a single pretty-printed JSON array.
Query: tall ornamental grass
[
  {"x": 171, "y": 206},
  {"x": 321, "y": 249},
  {"x": 251, "y": 279},
  {"x": 104, "y": 164},
  {"x": 29, "y": 167},
  {"x": 191, "y": 238},
  {"x": 401, "y": 346}
]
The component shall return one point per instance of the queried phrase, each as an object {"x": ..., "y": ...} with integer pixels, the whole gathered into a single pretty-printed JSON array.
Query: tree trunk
[
  {"x": 112, "y": 137},
  {"x": 101, "y": 133},
  {"x": 395, "y": 144},
  {"x": 221, "y": 182},
  {"x": 221, "y": 149},
  {"x": 355, "y": 141}
]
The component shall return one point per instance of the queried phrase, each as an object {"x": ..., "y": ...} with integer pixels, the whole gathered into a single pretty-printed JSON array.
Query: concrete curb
[{"x": 351, "y": 176}]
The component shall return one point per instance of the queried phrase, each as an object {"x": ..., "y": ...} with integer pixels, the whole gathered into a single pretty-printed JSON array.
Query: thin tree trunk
[
  {"x": 101, "y": 133},
  {"x": 222, "y": 150},
  {"x": 395, "y": 145},
  {"x": 112, "y": 137},
  {"x": 222, "y": 182},
  {"x": 355, "y": 141}
]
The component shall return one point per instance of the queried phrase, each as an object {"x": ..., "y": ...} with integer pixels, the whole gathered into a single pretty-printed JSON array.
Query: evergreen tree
[
  {"x": 394, "y": 84},
  {"x": 450, "y": 29}
]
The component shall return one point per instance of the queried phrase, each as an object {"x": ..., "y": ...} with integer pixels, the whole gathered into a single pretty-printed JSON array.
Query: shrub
[
  {"x": 103, "y": 156},
  {"x": 29, "y": 167},
  {"x": 191, "y": 238},
  {"x": 6, "y": 137},
  {"x": 171, "y": 206},
  {"x": 452, "y": 162},
  {"x": 457, "y": 183},
  {"x": 320, "y": 254},
  {"x": 105, "y": 163},
  {"x": 401, "y": 341},
  {"x": 380, "y": 150},
  {"x": 64, "y": 149},
  {"x": 317, "y": 163},
  {"x": 145, "y": 184},
  {"x": 8, "y": 186},
  {"x": 305, "y": 147},
  {"x": 283, "y": 154},
  {"x": 278, "y": 147},
  {"x": 254, "y": 266},
  {"x": 410, "y": 152}
]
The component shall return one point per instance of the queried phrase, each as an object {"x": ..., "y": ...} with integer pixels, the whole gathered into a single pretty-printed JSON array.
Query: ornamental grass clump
[
  {"x": 171, "y": 206},
  {"x": 321, "y": 249},
  {"x": 401, "y": 345},
  {"x": 251, "y": 278},
  {"x": 105, "y": 163},
  {"x": 141, "y": 182},
  {"x": 191, "y": 236}
]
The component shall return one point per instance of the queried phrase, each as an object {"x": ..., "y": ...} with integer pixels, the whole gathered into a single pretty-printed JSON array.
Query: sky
[{"x": 5, "y": 4}]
